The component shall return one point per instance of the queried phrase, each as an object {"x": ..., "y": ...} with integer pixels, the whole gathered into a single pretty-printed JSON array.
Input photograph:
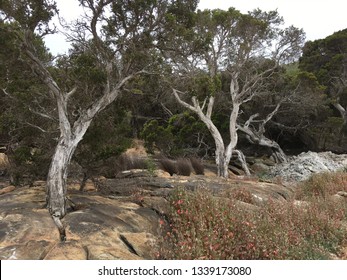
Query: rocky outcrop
[
  {"x": 99, "y": 228},
  {"x": 119, "y": 219},
  {"x": 301, "y": 167}
]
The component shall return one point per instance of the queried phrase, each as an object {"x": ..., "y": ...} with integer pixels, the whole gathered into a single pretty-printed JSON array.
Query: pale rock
[
  {"x": 89, "y": 186},
  {"x": 301, "y": 167},
  {"x": 7, "y": 189}
]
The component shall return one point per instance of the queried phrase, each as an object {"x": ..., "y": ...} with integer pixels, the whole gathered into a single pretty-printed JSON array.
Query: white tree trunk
[
  {"x": 56, "y": 182},
  {"x": 222, "y": 163},
  {"x": 223, "y": 154},
  {"x": 261, "y": 140}
]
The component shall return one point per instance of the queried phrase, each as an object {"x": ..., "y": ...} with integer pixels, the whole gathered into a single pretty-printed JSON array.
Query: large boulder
[
  {"x": 4, "y": 163},
  {"x": 301, "y": 167}
]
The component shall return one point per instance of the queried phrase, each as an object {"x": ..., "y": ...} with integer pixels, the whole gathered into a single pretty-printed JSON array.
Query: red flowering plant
[{"x": 203, "y": 225}]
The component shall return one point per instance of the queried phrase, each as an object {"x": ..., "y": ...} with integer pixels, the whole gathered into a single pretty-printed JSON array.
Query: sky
[{"x": 318, "y": 18}]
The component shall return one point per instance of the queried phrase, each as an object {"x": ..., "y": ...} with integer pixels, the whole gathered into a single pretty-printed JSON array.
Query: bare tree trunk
[
  {"x": 257, "y": 136},
  {"x": 278, "y": 153},
  {"x": 342, "y": 111},
  {"x": 223, "y": 153},
  {"x": 56, "y": 183},
  {"x": 261, "y": 140},
  {"x": 242, "y": 159},
  {"x": 222, "y": 163}
]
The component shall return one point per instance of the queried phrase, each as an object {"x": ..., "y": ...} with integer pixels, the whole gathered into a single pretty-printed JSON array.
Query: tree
[
  {"x": 26, "y": 130},
  {"x": 327, "y": 60},
  {"x": 248, "y": 48},
  {"x": 118, "y": 42}
]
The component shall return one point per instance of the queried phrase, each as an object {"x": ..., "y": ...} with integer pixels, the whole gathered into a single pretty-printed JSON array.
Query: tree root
[{"x": 60, "y": 227}]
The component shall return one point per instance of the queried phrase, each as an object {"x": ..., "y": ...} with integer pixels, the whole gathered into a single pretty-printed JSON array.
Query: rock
[
  {"x": 343, "y": 194},
  {"x": 142, "y": 243},
  {"x": 110, "y": 253},
  {"x": 39, "y": 184},
  {"x": 68, "y": 250},
  {"x": 94, "y": 231},
  {"x": 236, "y": 171},
  {"x": 159, "y": 204},
  {"x": 161, "y": 173},
  {"x": 89, "y": 186},
  {"x": 263, "y": 191},
  {"x": 133, "y": 173},
  {"x": 301, "y": 167},
  {"x": 7, "y": 189},
  {"x": 103, "y": 228},
  {"x": 31, "y": 250},
  {"x": 259, "y": 168},
  {"x": 4, "y": 163}
]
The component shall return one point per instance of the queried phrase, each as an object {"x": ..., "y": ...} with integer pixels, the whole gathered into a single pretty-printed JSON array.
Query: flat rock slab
[{"x": 102, "y": 228}]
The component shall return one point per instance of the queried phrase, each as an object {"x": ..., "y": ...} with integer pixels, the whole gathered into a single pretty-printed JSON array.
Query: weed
[
  {"x": 322, "y": 185},
  {"x": 203, "y": 226},
  {"x": 241, "y": 194}
]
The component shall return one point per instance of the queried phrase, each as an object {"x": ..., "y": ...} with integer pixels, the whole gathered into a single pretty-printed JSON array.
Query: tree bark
[
  {"x": 222, "y": 163},
  {"x": 261, "y": 140},
  {"x": 56, "y": 182},
  {"x": 342, "y": 111},
  {"x": 223, "y": 153}
]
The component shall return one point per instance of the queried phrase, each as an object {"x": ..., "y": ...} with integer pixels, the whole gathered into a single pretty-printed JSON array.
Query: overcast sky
[{"x": 318, "y": 18}]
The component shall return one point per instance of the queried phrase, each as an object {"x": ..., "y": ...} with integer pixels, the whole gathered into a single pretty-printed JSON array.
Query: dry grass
[
  {"x": 198, "y": 166},
  {"x": 202, "y": 226},
  {"x": 168, "y": 166},
  {"x": 184, "y": 167},
  {"x": 322, "y": 185}
]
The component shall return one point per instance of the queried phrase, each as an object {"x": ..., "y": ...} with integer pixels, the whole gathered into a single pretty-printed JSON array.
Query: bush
[
  {"x": 197, "y": 165},
  {"x": 203, "y": 226},
  {"x": 322, "y": 185},
  {"x": 125, "y": 162},
  {"x": 183, "y": 167},
  {"x": 168, "y": 165},
  {"x": 241, "y": 194}
]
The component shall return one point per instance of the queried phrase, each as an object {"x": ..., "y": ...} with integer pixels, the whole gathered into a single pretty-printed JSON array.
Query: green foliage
[
  {"x": 203, "y": 85},
  {"x": 326, "y": 59},
  {"x": 107, "y": 137},
  {"x": 178, "y": 137},
  {"x": 22, "y": 98},
  {"x": 156, "y": 136},
  {"x": 30, "y": 14},
  {"x": 85, "y": 69}
]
